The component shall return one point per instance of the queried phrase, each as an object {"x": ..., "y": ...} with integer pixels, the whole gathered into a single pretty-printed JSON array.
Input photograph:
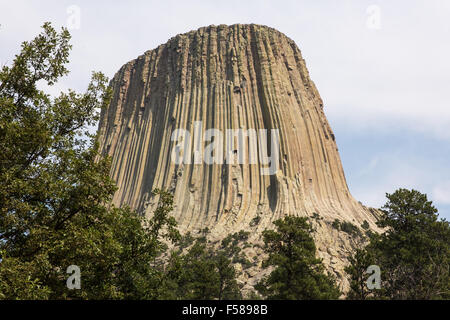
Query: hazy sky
[{"x": 381, "y": 67}]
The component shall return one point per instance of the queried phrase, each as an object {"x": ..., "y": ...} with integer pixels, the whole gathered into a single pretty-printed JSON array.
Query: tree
[
  {"x": 202, "y": 273},
  {"x": 413, "y": 253},
  {"x": 298, "y": 274},
  {"x": 358, "y": 264},
  {"x": 55, "y": 189}
]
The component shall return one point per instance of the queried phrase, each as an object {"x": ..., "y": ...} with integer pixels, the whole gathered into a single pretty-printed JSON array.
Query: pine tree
[
  {"x": 202, "y": 273},
  {"x": 413, "y": 252},
  {"x": 298, "y": 273}
]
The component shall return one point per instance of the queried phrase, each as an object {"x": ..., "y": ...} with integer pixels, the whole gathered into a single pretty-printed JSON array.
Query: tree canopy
[
  {"x": 413, "y": 252},
  {"x": 55, "y": 189}
]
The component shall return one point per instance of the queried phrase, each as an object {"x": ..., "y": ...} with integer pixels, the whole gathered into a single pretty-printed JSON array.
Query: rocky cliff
[{"x": 169, "y": 126}]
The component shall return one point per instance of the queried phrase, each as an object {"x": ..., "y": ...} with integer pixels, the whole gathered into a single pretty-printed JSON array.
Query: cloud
[
  {"x": 393, "y": 77},
  {"x": 441, "y": 192},
  {"x": 391, "y": 173},
  {"x": 375, "y": 165}
]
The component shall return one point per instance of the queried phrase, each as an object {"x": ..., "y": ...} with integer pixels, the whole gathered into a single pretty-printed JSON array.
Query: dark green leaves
[
  {"x": 55, "y": 190},
  {"x": 413, "y": 253},
  {"x": 298, "y": 274}
]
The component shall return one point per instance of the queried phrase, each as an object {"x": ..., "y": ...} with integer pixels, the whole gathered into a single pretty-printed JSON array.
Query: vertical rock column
[{"x": 225, "y": 77}]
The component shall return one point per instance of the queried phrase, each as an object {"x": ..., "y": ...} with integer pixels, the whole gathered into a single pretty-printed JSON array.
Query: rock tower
[{"x": 249, "y": 78}]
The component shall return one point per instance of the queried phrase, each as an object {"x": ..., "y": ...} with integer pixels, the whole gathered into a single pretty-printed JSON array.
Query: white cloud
[
  {"x": 393, "y": 173},
  {"x": 441, "y": 192},
  {"x": 395, "y": 76}
]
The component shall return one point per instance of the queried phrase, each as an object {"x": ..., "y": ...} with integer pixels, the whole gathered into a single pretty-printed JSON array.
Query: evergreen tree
[
  {"x": 298, "y": 274},
  {"x": 202, "y": 273},
  {"x": 358, "y": 264},
  {"x": 413, "y": 252}
]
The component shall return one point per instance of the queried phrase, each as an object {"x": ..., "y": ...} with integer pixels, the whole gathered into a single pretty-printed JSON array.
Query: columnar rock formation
[{"x": 227, "y": 77}]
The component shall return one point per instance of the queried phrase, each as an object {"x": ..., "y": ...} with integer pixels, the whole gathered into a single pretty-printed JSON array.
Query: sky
[{"x": 382, "y": 69}]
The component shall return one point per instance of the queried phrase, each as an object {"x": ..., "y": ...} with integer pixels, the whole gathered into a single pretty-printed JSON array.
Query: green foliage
[
  {"x": 365, "y": 225},
  {"x": 413, "y": 253},
  {"x": 55, "y": 189},
  {"x": 357, "y": 267},
  {"x": 255, "y": 221},
  {"x": 347, "y": 227},
  {"x": 350, "y": 228},
  {"x": 336, "y": 224},
  {"x": 232, "y": 240},
  {"x": 198, "y": 269},
  {"x": 230, "y": 247},
  {"x": 298, "y": 274},
  {"x": 161, "y": 220},
  {"x": 186, "y": 241},
  {"x": 201, "y": 274}
]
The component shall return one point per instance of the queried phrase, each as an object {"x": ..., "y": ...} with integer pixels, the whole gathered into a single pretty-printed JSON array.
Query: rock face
[{"x": 228, "y": 77}]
